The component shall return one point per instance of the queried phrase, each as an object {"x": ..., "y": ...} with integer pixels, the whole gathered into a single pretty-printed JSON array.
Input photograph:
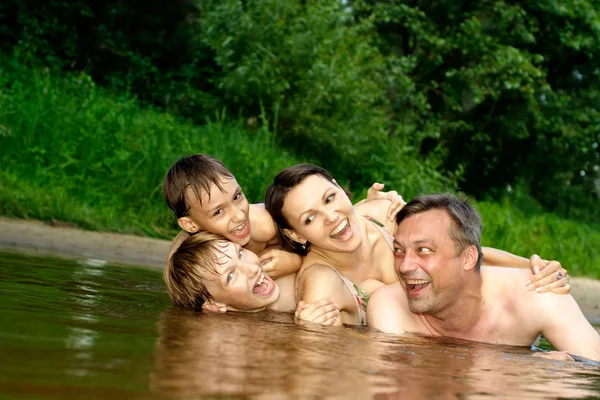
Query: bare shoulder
[
  {"x": 388, "y": 311},
  {"x": 263, "y": 228},
  {"x": 177, "y": 240},
  {"x": 378, "y": 210},
  {"x": 318, "y": 281}
]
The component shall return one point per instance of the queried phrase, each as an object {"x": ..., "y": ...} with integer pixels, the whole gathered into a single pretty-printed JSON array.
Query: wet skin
[
  {"x": 221, "y": 212},
  {"x": 238, "y": 283}
]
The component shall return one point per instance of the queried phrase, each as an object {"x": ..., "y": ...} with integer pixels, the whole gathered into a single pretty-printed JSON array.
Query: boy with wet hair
[{"x": 205, "y": 196}]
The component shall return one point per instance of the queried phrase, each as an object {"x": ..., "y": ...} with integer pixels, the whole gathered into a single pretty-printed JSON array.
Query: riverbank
[{"x": 60, "y": 240}]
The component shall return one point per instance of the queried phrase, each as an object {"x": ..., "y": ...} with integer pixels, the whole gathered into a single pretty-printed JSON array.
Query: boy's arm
[
  {"x": 262, "y": 226},
  {"x": 547, "y": 275},
  {"x": 566, "y": 328},
  {"x": 278, "y": 263}
]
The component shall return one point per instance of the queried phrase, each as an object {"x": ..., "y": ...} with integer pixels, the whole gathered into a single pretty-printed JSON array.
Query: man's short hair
[
  {"x": 188, "y": 268},
  {"x": 467, "y": 226},
  {"x": 196, "y": 172}
]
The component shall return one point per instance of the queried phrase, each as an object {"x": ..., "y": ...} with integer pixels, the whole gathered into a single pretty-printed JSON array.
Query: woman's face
[
  {"x": 320, "y": 212},
  {"x": 238, "y": 281}
]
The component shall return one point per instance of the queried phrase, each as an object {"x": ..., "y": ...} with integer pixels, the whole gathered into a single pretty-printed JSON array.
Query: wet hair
[
  {"x": 467, "y": 226},
  {"x": 284, "y": 182},
  {"x": 196, "y": 172},
  {"x": 187, "y": 269}
]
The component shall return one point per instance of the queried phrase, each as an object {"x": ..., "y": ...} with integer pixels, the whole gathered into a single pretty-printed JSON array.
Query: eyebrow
[
  {"x": 310, "y": 209},
  {"x": 417, "y": 242}
]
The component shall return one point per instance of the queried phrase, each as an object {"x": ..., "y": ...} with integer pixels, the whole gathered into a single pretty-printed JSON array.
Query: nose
[
  {"x": 238, "y": 214},
  {"x": 405, "y": 265},
  {"x": 251, "y": 269},
  {"x": 331, "y": 216}
]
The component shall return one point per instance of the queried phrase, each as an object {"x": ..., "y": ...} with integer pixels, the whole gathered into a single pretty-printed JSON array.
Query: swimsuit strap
[
  {"x": 361, "y": 298},
  {"x": 387, "y": 234}
]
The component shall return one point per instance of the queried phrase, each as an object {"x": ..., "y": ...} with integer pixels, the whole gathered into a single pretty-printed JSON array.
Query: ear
[
  {"x": 470, "y": 255},
  {"x": 294, "y": 236},
  {"x": 188, "y": 225},
  {"x": 214, "y": 307}
]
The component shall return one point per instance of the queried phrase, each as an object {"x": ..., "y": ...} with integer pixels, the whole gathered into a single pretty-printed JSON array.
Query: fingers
[
  {"x": 397, "y": 204},
  {"x": 536, "y": 264},
  {"x": 556, "y": 280},
  {"x": 373, "y": 192},
  {"x": 563, "y": 289},
  {"x": 559, "y": 285},
  {"x": 323, "y": 312}
]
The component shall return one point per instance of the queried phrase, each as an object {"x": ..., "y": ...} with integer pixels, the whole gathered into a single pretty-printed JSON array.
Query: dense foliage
[{"x": 78, "y": 153}]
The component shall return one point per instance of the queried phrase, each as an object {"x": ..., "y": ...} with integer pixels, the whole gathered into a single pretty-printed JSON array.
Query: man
[{"x": 442, "y": 290}]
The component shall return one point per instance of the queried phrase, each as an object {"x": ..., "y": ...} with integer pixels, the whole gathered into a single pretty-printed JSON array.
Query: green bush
[{"x": 74, "y": 152}]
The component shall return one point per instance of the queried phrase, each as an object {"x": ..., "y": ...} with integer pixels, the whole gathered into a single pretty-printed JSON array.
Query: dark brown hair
[
  {"x": 284, "y": 182},
  {"x": 196, "y": 172},
  {"x": 467, "y": 226}
]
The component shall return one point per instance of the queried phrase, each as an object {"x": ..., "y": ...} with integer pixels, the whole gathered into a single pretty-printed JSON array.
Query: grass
[{"x": 81, "y": 154}]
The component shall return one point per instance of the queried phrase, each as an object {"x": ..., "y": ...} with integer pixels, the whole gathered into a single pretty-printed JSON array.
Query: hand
[
  {"x": 553, "y": 355},
  {"x": 548, "y": 276},
  {"x": 323, "y": 312},
  {"x": 278, "y": 263},
  {"x": 398, "y": 202}
]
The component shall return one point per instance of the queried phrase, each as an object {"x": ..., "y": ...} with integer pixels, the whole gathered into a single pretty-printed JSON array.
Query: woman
[{"x": 316, "y": 219}]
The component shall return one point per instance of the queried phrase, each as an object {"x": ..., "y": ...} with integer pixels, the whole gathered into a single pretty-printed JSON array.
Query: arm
[
  {"x": 263, "y": 227},
  {"x": 397, "y": 202},
  {"x": 278, "y": 263},
  {"x": 319, "y": 282},
  {"x": 566, "y": 328},
  {"x": 547, "y": 275}
]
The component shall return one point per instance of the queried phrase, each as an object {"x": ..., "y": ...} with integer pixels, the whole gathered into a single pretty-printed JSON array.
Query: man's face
[
  {"x": 426, "y": 261},
  {"x": 224, "y": 213}
]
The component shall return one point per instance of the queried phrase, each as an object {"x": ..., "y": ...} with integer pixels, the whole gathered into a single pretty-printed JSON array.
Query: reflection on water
[{"x": 81, "y": 330}]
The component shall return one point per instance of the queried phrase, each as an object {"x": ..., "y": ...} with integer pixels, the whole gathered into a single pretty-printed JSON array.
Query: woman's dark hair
[{"x": 285, "y": 181}]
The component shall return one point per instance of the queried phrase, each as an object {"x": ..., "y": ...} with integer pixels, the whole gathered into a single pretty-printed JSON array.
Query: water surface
[{"x": 71, "y": 330}]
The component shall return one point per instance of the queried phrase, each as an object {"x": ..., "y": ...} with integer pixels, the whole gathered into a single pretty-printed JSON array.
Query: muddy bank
[{"x": 61, "y": 241}]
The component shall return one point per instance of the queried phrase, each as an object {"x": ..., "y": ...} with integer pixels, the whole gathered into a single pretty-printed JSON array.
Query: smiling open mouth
[
  {"x": 415, "y": 287},
  {"x": 264, "y": 285},
  {"x": 241, "y": 231},
  {"x": 342, "y": 232}
]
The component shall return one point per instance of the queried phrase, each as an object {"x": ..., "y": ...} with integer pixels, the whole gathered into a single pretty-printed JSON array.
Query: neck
[
  {"x": 348, "y": 262},
  {"x": 460, "y": 318},
  {"x": 287, "y": 298}
]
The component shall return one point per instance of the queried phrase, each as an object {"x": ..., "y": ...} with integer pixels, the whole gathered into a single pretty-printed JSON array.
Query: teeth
[
  {"x": 340, "y": 227},
  {"x": 416, "y": 281},
  {"x": 239, "y": 228},
  {"x": 260, "y": 280}
]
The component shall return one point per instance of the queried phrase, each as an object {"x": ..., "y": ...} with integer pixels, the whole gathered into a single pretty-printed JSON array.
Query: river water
[{"x": 75, "y": 330}]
